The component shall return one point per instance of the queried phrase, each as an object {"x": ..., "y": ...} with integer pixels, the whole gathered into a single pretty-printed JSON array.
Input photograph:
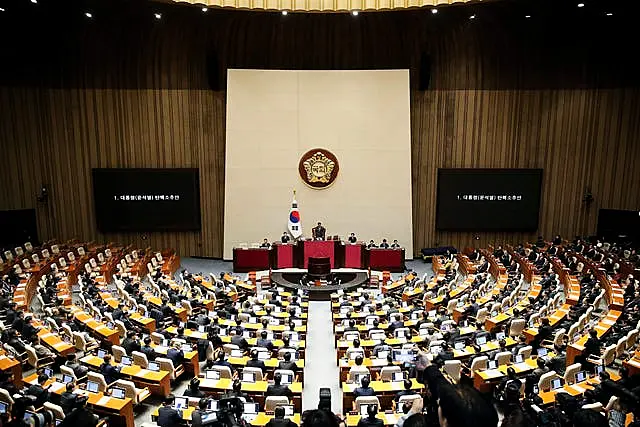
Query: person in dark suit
[
  {"x": 319, "y": 232},
  {"x": 352, "y": 238},
  {"x": 285, "y": 237},
  {"x": 591, "y": 348},
  {"x": 194, "y": 389},
  {"x": 221, "y": 361},
  {"x": 371, "y": 420},
  {"x": 364, "y": 390},
  {"x": 277, "y": 389},
  {"x": 287, "y": 363},
  {"x": 239, "y": 340},
  {"x": 81, "y": 415},
  {"x": 68, "y": 398},
  {"x": 39, "y": 391},
  {"x": 118, "y": 312},
  {"x": 130, "y": 343},
  {"x": 265, "y": 244},
  {"x": 395, "y": 244},
  {"x": 263, "y": 341},
  {"x": 236, "y": 392},
  {"x": 255, "y": 363},
  {"x": 29, "y": 332},
  {"x": 279, "y": 420},
  {"x": 407, "y": 390},
  {"x": 148, "y": 350},
  {"x": 79, "y": 370},
  {"x": 110, "y": 372},
  {"x": 196, "y": 416},
  {"x": 168, "y": 416},
  {"x": 544, "y": 332},
  {"x": 371, "y": 244},
  {"x": 176, "y": 355},
  {"x": 384, "y": 244}
]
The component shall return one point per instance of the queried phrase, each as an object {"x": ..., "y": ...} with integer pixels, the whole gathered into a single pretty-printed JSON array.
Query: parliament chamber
[{"x": 319, "y": 213}]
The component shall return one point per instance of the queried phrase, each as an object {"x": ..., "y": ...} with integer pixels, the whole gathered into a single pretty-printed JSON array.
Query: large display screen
[
  {"x": 146, "y": 199},
  {"x": 488, "y": 199}
]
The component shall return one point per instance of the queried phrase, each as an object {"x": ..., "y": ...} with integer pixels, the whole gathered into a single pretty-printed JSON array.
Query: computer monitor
[
  {"x": 536, "y": 390},
  {"x": 153, "y": 366},
  {"x": 597, "y": 369},
  {"x": 459, "y": 345},
  {"x": 581, "y": 376},
  {"x": 293, "y": 336},
  {"x": 246, "y": 334},
  {"x": 58, "y": 421},
  {"x": 500, "y": 335},
  {"x": 542, "y": 352},
  {"x": 118, "y": 393},
  {"x": 364, "y": 409},
  {"x": 213, "y": 405},
  {"x": 297, "y": 322},
  {"x": 415, "y": 315},
  {"x": 101, "y": 353},
  {"x": 494, "y": 313},
  {"x": 403, "y": 355},
  {"x": 48, "y": 372},
  {"x": 180, "y": 402},
  {"x": 481, "y": 340},
  {"x": 28, "y": 415},
  {"x": 212, "y": 374},
  {"x": 126, "y": 361},
  {"x": 3, "y": 408},
  {"x": 263, "y": 355},
  {"x": 274, "y": 322},
  {"x": 66, "y": 379},
  {"x": 93, "y": 386},
  {"x": 208, "y": 418},
  {"x": 250, "y": 408},
  {"x": 518, "y": 358},
  {"x": 248, "y": 377},
  {"x": 253, "y": 320},
  {"x": 236, "y": 353},
  {"x": 110, "y": 325},
  {"x": 432, "y": 313},
  {"x": 556, "y": 383},
  {"x": 222, "y": 332},
  {"x": 398, "y": 376},
  {"x": 288, "y": 410},
  {"x": 492, "y": 364},
  {"x": 383, "y": 354},
  {"x": 357, "y": 377}
]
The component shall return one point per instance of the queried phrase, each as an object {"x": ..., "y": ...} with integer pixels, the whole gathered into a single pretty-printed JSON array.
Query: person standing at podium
[
  {"x": 285, "y": 238},
  {"x": 353, "y": 239},
  {"x": 319, "y": 232}
]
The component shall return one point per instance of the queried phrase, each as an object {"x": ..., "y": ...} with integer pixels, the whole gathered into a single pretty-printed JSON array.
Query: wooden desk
[
  {"x": 99, "y": 329},
  {"x": 601, "y": 328},
  {"x": 9, "y": 364},
  {"x": 384, "y": 390},
  {"x": 261, "y": 420},
  {"x": 120, "y": 411},
  {"x": 54, "y": 342},
  {"x": 389, "y": 419},
  {"x": 190, "y": 360},
  {"x": 158, "y": 382},
  {"x": 146, "y": 322},
  {"x": 257, "y": 390}
]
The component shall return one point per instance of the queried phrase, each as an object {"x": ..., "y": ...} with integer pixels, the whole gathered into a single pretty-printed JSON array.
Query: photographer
[{"x": 279, "y": 420}]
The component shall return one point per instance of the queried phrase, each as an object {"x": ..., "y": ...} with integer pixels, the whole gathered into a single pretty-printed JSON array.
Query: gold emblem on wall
[{"x": 318, "y": 168}]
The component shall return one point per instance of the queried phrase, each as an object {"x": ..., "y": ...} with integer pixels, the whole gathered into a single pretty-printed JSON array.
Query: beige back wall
[{"x": 274, "y": 117}]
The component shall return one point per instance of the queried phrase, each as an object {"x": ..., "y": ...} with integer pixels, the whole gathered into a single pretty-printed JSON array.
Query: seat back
[
  {"x": 57, "y": 410},
  {"x": 98, "y": 378},
  {"x": 544, "y": 383},
  {"x": 503, "y": 358},
  {"x": 386, "y": 373},
  {"x": 140, "y": 359},
  {"x": 526, "y": 351},
  {"x": 32, "y": 357},
  {"x": 225, "y": 371},
  {"x": 452, "y": 368},
  {"x": 257, "y": 372},
  {"x": 129, "y": 389},
  {"x": 118, "y": 352},
  {"x": 408, "y": 398},
  {"x": 517, "y": 326},
  {"x": 156, "y": 338},
  {"x": 609, "y": 355},
  {"x": 68, "y": 371},
  {"x": 367, "y": 400},
  {"x": 272, "y": 402},
  {"x": 570, "y": 373},
  {"x": 621, "y": 347},
  {"x": 559, "y": 337},
  {"x": 632, "y": 338},
  {"x": 167, "y": 365},
  {"x": 351, "y": 335}
]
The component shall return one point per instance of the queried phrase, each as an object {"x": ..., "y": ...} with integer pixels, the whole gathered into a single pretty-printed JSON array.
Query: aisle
[{"x": 320, "y": 369}]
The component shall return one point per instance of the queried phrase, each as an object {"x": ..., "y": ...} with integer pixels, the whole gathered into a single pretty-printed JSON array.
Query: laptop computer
[
  {"x": 236, "y": 353},
  {"x": 126, "y": 361},
  {"x": 101, "y": 353},
  {"x": 264, "y": 355},
  {"x": 459, "y": 345},
  {"x": 383, "y": 354},
  {"x": 481, "y": 340},
  {"x": 597, "y": 369},
  {"x": 518, "y": 358},
  {"x": 556, "y": 383},
  {"x": 542, "y": 352},
  {"x": 248, "y": 377},
  {"x": 397, "y": 376},
  {"x": 213, "y": 405},
  {"x": 110, "y": 325},
  {"x": 494, "y": 313},
  {"x": 364, "y": 409},
  {"x": 93, "y": 386},
  {"x": 67, "y": 379},
  {"x": 153, "y": 366},
  {"x": 208, "y": 417},
  {"x": 581, "y": 376},
  {"x": 48, "y": 372},
  {"x": 358, "y": 376},
  {"x": 202, "y": 329},
  {"x": 288, "y": 411},
  {"x": 492, "y": 364},
  {"x": 186, "y": 348},
  {"x": 118, "y": 393},
  {"x": 212, "y": 374},
  {"x": 181, "y": 403},
  {"x": 404, "y": 355},
  {"x": 500, "y": 335},
  {"x": 165, "y": 342},
  {"x": 274, "y": 322},
  {"x": 297, "y": 322},
  {"x": 28, "y": 415},
  {"x": 3, "y": 408},
  {"x": 287, "y": 379},
  {"x": 246, "y": 334},
  {"x": 222, "y": 332},
  {"x": 435, "y": 349}
]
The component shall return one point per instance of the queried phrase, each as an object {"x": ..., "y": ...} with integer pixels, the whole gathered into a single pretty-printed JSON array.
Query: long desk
[
  {"x": 158, "y": 382},
  {"x": 257, "y": 390},
  {"x": 260, "y": 420},
  {"x": 385, "y": 391},
  {"x": 120, "y": 411},
  {"x": 98, "y": 329},
  {"x": 13, "y": 366}
]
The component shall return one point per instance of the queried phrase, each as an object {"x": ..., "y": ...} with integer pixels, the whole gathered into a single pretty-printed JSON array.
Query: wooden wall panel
[{"x": 125, "y": 91}]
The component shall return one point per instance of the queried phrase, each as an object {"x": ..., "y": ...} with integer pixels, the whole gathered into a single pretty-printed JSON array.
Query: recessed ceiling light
[
  {"x": 157, "y": 15},
  {"x": 434, "y": 11},
  {"x": 88, "y": 14},
  {"x": 34, "y": 1},
  {"x": 580, "y": 4},
  {"x": 2, "y": 9},
  {"x": 527, "y": 16},
  {"x": 285, "y": 13},
  {"x": 354, "y": 12},
  {"x": 609, "y": 14},
  {"x": 472, "y": 17},
  {"x": 205, "y": 10}
]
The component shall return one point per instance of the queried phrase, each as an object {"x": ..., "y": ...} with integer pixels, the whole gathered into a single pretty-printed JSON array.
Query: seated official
[
  {"x": 372, "y": 244},
  {"x": 395, "y": 244},
  {"x": 236, "y": 391},
  {"x": 318, "y": 232},
  {"x": 78, "y": 370},
  {"x": 371, "y": 420},
  {"x": 287, "y": 363},
  {"x": 80, "y": 415},
  {"x": 131, "y": 343},
  {"x": 279, "y": 420},
  {"x": 109, "y": 372},
  {"x": 239, "y": 340},
  {"x": 202, "y": 409},
  {"x": 278, "y": 389},
  {"x": 265, "y": 244},
  {"x": 384, "y": 244},
  {"x": 255, "y": 363},
  {"x": 356, "y": 348},
  {"x": 365, "y": 389},
  {"x": 39, "y": 391},
  {"x": 68, "y": 398},
  {"x": 148, "y": 350},
  {"x": 285, "y": 237},
  {"x": 263, "y": 341},
  {"x": 168, "y": 416},
  {"x": 352, "y": 238},
  {"x": 176, "y": 354},
  {"x": 194, "y": 389},
  {"x": 406, "y": 392},
  {"x": 221, "y": 361}
]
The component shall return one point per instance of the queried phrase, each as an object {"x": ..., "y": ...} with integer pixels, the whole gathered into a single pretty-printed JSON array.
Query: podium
[
  {"x": 283, "y": 255},
  {"x": 319, "y": 249}
]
